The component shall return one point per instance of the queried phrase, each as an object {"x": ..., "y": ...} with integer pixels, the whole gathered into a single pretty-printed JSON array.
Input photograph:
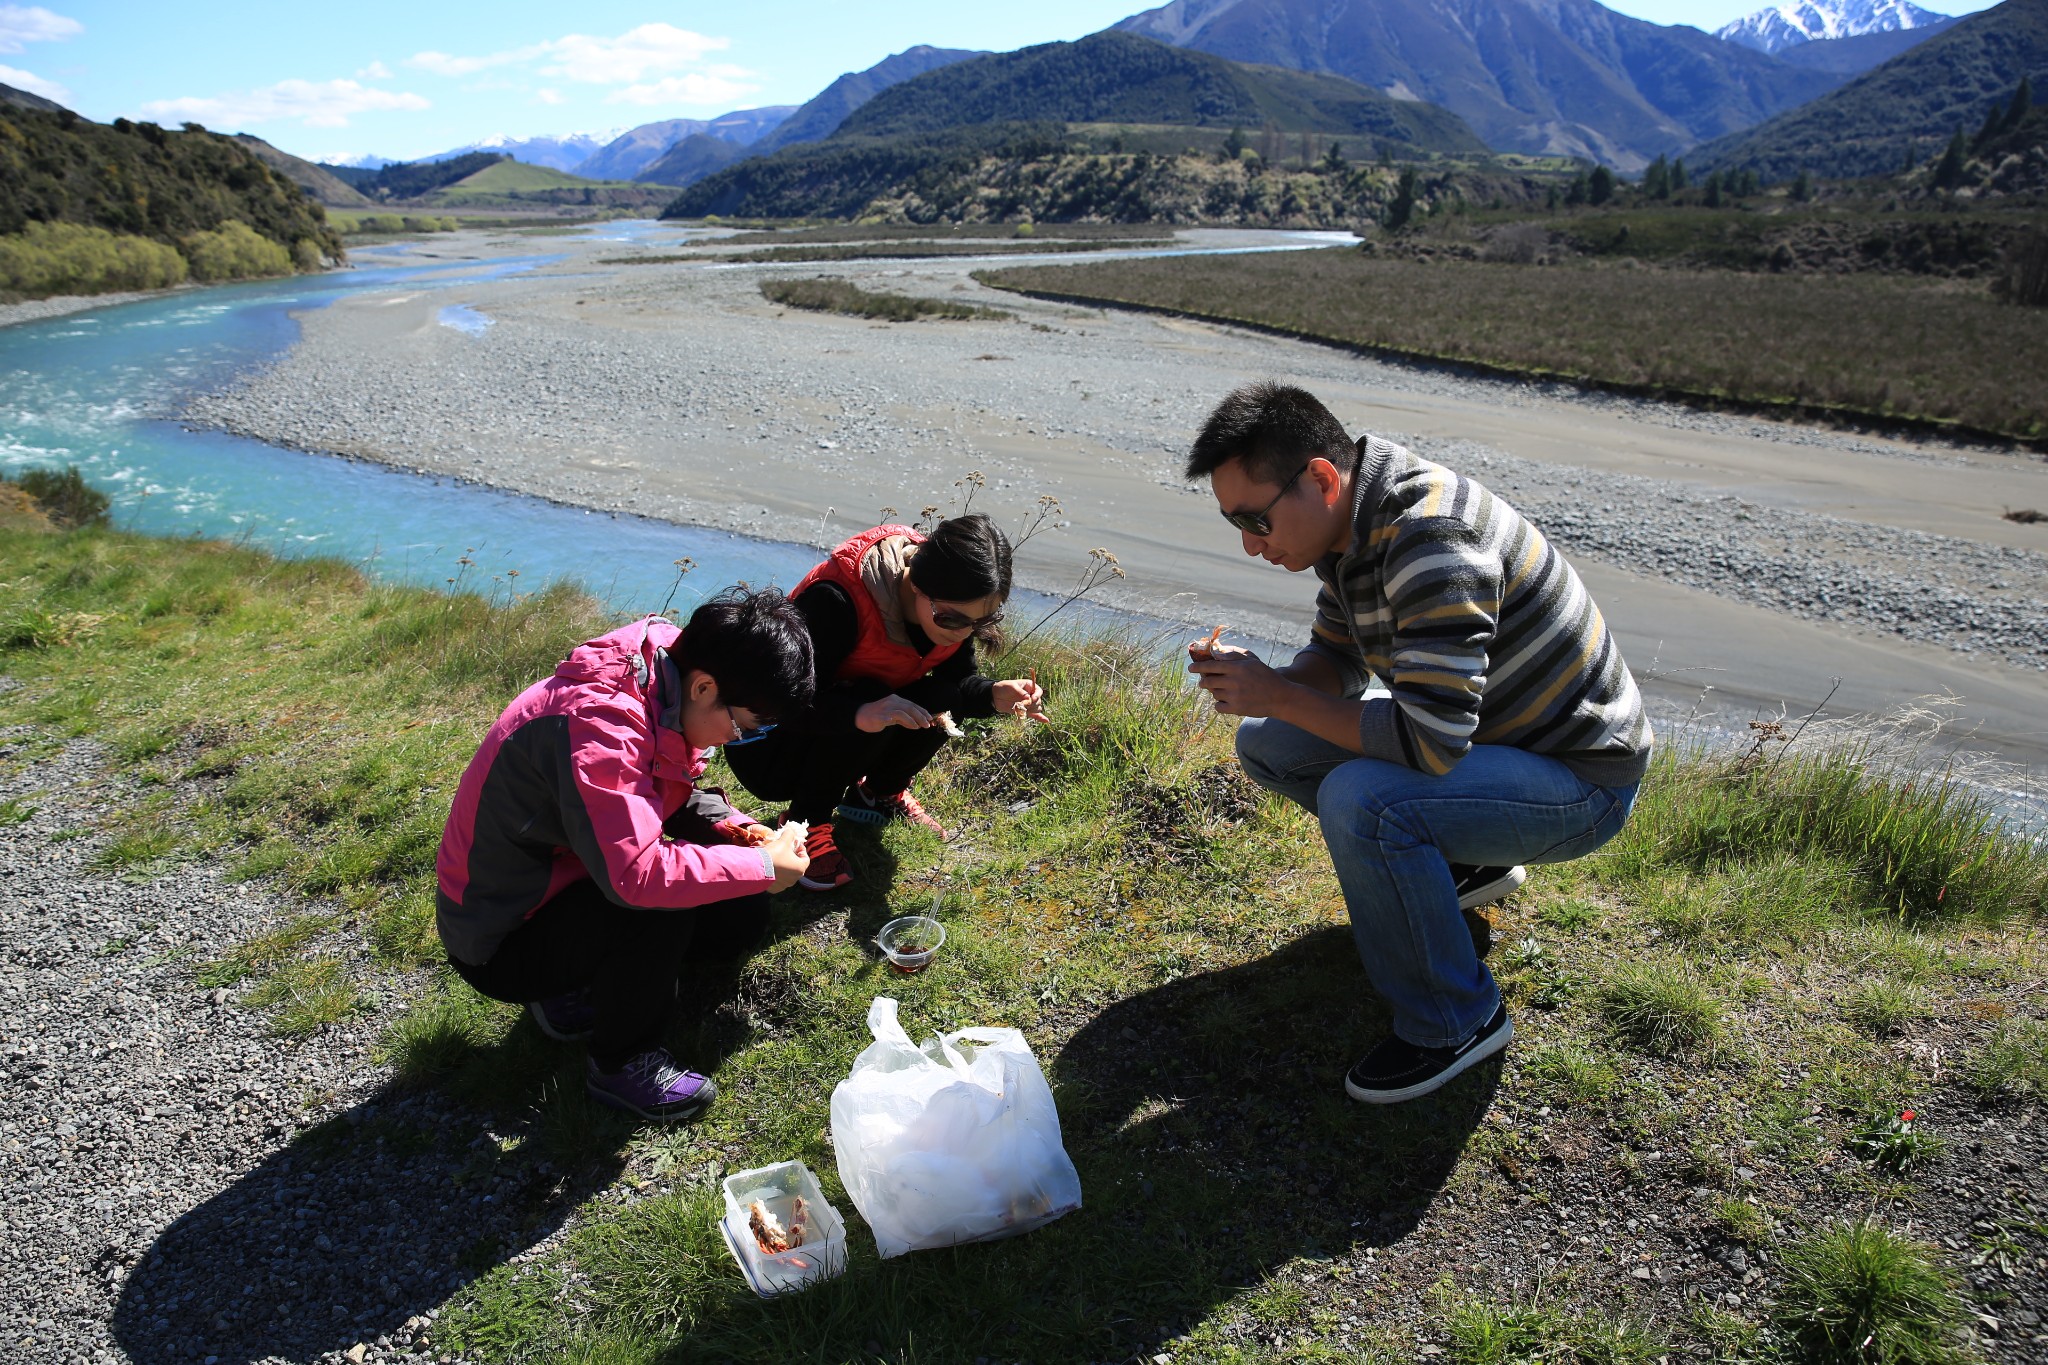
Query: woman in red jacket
[
  {"x": 582, "y": 863},
  {"x": 894, "y": 616}
]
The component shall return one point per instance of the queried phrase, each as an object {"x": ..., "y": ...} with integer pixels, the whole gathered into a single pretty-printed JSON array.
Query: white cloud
[
  {"x": 547, "y": 96},
  {"x": 719, "y": 85},
  {"x": 317, "y": 104},
  {"x": 21, "y": 25},
  {"x": 375, "y": 71},
  {"x": 34, "y": 84},
  {"x": 649, "y": 50}
]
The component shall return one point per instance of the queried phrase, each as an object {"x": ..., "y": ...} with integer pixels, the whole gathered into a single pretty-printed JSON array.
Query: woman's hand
[
  {"x": 786, "y": 852},
  {"x": 878, "y": 716},
  {"x": 1020, "y": 697}
]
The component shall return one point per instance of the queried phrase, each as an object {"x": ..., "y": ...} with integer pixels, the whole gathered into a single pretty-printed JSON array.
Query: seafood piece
[
  {"x": 947, "y": 723},
  {"x": 799, "y": 1222},
  {"x": 1202, "y": 649},
  {"x": 768, "y": 1233}
]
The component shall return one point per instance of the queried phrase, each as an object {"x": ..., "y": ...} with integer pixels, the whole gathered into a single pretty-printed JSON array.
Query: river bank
[{"x": 1754, "y": 561}]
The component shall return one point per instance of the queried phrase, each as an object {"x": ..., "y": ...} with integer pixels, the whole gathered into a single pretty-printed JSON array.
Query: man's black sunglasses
[{"x": 1260, "y": 523}]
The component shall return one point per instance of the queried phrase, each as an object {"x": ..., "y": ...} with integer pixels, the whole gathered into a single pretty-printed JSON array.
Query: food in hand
[
  {"x": 947, "y": 723},
  {"x": 745, "y": 832},
  {"x": 1202, "y": 649}
]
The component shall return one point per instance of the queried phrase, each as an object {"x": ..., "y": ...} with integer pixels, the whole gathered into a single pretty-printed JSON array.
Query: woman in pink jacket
[{"x": 581, "y": 863}]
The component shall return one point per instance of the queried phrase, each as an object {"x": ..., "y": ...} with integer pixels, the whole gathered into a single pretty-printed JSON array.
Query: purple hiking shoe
[
  {"x": 570, "y": 1018},
  {"x": 652, "y": 1086}
]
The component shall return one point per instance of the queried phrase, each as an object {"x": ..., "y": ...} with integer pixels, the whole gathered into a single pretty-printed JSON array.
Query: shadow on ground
[
  {"x": 375, "y": 1217},
  {"x": 1208, "y": 1120}
]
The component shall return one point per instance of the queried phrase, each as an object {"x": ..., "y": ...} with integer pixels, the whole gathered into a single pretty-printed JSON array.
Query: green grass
[
  {"x": 1660, "y": 1007},
  {"x": 1858, "y": 1292},
  {"x": 1174, "y": 947},
  {"x": 840, "y": 296},
  {"x": 1789, "y": 341}
]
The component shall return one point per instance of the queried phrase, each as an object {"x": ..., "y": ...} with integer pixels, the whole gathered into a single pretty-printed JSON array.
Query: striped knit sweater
[{"x": 1479, "y": 629}]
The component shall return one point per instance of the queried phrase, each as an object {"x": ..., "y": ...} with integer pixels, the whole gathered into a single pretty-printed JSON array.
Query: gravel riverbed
[{"x": 678, "y": 392}]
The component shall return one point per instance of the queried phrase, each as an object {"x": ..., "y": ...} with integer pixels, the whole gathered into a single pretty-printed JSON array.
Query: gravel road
[{"x": 183, "y": 1186}]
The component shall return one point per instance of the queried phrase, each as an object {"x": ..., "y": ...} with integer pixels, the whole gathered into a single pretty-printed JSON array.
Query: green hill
[
  {"x": 315, "y": 180},
  {"x": 510, "y": 184},
  {"x": 141, "y": 179},
  {"x": 1913, "y": 102},
  {"x": 1113, "y": 77}
]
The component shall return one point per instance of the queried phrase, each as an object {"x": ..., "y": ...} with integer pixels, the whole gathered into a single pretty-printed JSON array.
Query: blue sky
[{"x": 406, "y": 79}]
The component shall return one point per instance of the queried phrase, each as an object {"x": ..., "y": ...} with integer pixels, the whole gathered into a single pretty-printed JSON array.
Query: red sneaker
[
  {"x": 880, "y": 810},
  {"x": 829, "y": 869}
]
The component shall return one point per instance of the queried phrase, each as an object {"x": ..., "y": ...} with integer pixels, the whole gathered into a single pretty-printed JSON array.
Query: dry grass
[{"x": 1883, "y": 347}]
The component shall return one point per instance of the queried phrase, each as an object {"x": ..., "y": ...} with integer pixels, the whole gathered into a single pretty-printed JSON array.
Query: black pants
[
  {"x": 812, "y": 770},
  {"x": 630, "y": 960}
]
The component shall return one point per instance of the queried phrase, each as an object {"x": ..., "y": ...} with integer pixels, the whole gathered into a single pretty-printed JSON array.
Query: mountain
[
  {"x": 821, "y": 115},
  {"x": 633, "y": 151},
  {"x": 317, "y": 181},
  {"x": 1113, "y": 77},
  {"x": 1804, "y": 21},
  {"x": 690, "y": 160},
  {"x": 1560, "y": 77},
  {"x": 556, "y": 153},
  {"x": 356, "y": 161},
  {"x": 25, "y": 99},
  {"x": 1914, "y": 101},
  {"x": 1861, "y": 53}
]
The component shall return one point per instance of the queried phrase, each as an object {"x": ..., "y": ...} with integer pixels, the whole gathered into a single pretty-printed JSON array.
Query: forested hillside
[
  {"x": 1113, "y": 77},
  {"x": 1912, "y": 104},
  {"x": 86, "y": 206}
]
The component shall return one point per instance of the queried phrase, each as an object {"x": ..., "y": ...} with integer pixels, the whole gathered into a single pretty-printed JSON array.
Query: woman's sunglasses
[
  {"x": 1260, "y": 523},
  {"x": 953, "y": 620}
]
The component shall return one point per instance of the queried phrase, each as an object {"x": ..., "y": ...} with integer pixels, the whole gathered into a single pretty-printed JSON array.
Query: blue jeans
[{"x": 1392, "y": 834}]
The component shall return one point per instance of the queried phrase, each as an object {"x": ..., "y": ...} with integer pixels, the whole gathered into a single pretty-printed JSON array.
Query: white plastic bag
[{"x": 957, "y": 1141}]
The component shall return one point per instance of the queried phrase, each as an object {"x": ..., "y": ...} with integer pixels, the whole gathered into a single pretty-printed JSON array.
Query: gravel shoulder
[{"x": 1766, "y": 557}]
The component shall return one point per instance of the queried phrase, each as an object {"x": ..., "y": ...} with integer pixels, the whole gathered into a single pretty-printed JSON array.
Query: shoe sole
[
  {"x": 1441, "y": 1079},
  {"x": 860, "y": 815},
  {"x": 540, "y": 1021},
  {"x": 807, "y": 884},
  {"x": 697, "y": 1104},
  {"x": 1500, "y": 888}
]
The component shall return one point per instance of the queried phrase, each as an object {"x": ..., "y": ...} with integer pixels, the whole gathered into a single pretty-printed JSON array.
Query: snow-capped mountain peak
[{"x": 1806, "y": 21}]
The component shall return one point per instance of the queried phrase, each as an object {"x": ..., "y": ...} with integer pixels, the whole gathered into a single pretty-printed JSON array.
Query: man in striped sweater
[{"x": 1511, "y": 731}]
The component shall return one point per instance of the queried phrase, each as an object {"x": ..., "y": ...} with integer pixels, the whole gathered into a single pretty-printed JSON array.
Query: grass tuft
[
  {"x": 841, "y": 296},
  {"x": 2014, "y": 1061},
  {"x": 1660, "y": 1008},
  {"x": 1857, "y": 1293}
]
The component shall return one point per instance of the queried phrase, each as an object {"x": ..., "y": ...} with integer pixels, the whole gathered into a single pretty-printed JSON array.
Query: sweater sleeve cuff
[
  {"x": 1353, "y": 673},
  {"x": 1379, "y": 735}
]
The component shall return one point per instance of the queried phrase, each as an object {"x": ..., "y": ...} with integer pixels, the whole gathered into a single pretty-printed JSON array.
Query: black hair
[
  {"x": 964, "y": 559},
  {"x": 1273, "y": 429},
  {"x": 755, "y": 646}
]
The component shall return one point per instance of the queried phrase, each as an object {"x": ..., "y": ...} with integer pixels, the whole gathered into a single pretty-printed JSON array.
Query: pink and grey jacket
[{"x": 575, "y": 780}]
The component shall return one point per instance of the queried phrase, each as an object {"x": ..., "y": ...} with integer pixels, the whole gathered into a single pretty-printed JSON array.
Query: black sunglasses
[
  {"x": 1260, "y": 523},
  {"x": 953, "y": 620}
]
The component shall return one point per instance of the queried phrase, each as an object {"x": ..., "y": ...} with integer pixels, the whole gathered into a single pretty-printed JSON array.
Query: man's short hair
[
  {"x": 755, "y": 646},
  {"x": 1274, "y": 429}
]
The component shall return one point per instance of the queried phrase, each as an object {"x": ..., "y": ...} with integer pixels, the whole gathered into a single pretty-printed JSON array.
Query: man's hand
[
  {"x": 878, "y": 716},
  {"x": 1020, "y": 697},
  {"x": 1238, "y": 681},
  {"x": 786, "y": 852}
]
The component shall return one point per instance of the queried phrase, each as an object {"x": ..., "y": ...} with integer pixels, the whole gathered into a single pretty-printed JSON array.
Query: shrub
[
  {"x": 839, "y": 296},
  {"x": 67, "y": 258},
  {"x": 235, "y": 251},
  {"x": 65, "y": 497},
  {"x": 1855, "y": 1293}
]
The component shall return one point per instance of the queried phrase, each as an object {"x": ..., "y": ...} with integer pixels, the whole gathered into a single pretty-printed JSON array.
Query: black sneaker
[
  {"x": 1396, "y": 1071},
  {"x": 1479, "y": 886}
]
